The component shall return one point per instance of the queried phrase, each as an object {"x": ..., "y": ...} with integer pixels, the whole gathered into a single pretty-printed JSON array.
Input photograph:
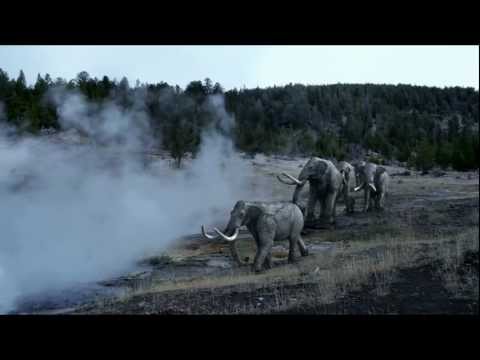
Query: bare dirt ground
[{"x": 418, "y": 256}]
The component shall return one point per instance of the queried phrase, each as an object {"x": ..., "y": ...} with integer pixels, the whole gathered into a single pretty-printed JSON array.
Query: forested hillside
[{"x": 421, "y": 125}]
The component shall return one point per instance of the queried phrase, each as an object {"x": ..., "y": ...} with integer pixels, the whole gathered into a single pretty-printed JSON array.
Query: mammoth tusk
[
  {"x": 285, "y": 182},
  {"x": 211, "y": 237},
  {"x": 359, "y": 187},
  {"x": 294, "y": 179},
  {"x": 373, "y": 187},
  {"x": 228, "y": 238}
]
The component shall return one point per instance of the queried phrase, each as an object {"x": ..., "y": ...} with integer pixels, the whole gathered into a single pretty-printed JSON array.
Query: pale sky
[{"x": 251, "y": 66}]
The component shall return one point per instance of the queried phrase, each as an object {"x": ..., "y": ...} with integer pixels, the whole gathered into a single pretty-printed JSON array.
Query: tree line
[{"x": 423, "y": 126}]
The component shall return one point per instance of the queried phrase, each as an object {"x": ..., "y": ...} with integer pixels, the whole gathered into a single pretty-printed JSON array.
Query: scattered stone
[
  {"x": 404, "y": 173},
  {"x": 159, "y": 261},
  {"x": 192, "y": 246},
  {"x": 438, "y": 173},
  {"x": 320, "y": 247},
  {"x": 224, "y": 264}
]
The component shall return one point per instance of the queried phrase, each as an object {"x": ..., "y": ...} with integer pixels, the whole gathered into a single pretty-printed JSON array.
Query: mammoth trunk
[
  {"x": 296, "y": 194},
  {"x": 234, "y": 252},
  {"x": 229, "y": 231},
  {"x": 367, "y": 198}
]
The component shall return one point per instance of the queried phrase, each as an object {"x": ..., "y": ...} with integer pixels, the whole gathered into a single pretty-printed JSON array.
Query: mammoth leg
[
  {"x": 266, "y": 235},
  {"x": 367, "y": 200},
  {"x": 312, "y": 201},
  {"x": 268, "y": 261},
  {"x": 291, "y": 250},
  {"x": 328, "y": 210},
  {"x": 301, "y": 246},
  {"x": 376, "y": 199},
  {"x": 373, "y": 201},
  {"x": 262, "y": 253},
  {"x": 324, "y": 210},
  {"x": 346, "y": 198},
  {"x": 351, "y": 205},
  {"x": 381, "y": 201},
  {"x": 334, "y": 209},
  {"x": 257, "y": 244}
]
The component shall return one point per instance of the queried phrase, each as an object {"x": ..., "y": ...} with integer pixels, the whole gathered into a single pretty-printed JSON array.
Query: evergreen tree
[
  {"x": 425, "y": 159},
  {"x": 422, "y": 124}
]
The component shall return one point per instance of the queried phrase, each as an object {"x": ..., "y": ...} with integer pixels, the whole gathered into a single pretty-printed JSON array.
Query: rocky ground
[{"x": 420, "y": 255}]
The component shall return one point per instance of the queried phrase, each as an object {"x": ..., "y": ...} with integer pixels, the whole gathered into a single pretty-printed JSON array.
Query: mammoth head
[
  {"x": 344, "y": 169},
  {"x": 313, "y": 169},
  {"x": 358, "y": 166},
  {"x": 365, "y": 175},
  {"x": 238, "y": 217}
]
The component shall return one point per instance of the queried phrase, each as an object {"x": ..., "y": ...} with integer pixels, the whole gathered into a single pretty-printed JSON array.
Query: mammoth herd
[{"x": 282, "y": 220}]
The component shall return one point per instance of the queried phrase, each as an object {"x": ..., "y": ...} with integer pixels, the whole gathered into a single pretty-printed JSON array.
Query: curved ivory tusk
[
  {"x": 359, "y": 187},
  {"x": 285, "y": 182},
  {"x": 294, "y": 179},
  {"x": 211, "y": 237},
  {"x": 373, "y": 187},
  {"x": 228, "y": 238}
]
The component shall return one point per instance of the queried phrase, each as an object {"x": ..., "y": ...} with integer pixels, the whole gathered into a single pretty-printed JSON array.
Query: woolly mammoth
[
  {"x": 348, "y": 173},
  {"x": 358, "y": 166},
  {"x": 267, "y": 222},
  {"x": 374, "y": 180},
  {"x": 325, "y": 184}
]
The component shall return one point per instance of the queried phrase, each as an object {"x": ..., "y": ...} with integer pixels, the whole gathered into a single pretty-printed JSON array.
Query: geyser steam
[{"x": 86, "y": 211}]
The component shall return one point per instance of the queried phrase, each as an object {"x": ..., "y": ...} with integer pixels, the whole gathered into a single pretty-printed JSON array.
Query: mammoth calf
[
  {"x": 374, "y": 180},
  {"x": 267, "y": 222}
]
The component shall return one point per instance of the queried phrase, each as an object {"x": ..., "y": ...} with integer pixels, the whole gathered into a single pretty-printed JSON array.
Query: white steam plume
[{"x": 84, "y": 212}]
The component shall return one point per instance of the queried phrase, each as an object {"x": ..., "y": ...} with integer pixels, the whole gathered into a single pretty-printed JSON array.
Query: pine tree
[
  {"x": 21, "y": 84},
  {"x": 425, "y": 159}
]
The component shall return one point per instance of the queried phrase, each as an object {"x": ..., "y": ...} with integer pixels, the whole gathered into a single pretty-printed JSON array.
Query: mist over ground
[{"x": 81, "y": 211}]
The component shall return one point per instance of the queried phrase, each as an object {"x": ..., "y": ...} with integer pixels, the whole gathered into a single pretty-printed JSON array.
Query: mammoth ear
[
  {"x": 321, "y": 167},
  {"x": 239, "y": 204},
  {"x": 253, "y": 212}
]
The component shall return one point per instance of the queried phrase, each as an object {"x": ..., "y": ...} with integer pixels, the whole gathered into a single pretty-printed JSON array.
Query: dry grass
[
  {"x": 362, "y": 262},
  {"x": 346, "y": 266},
  {"x": 459, "y": 280},
  {"x": 327, "y": 277}
]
